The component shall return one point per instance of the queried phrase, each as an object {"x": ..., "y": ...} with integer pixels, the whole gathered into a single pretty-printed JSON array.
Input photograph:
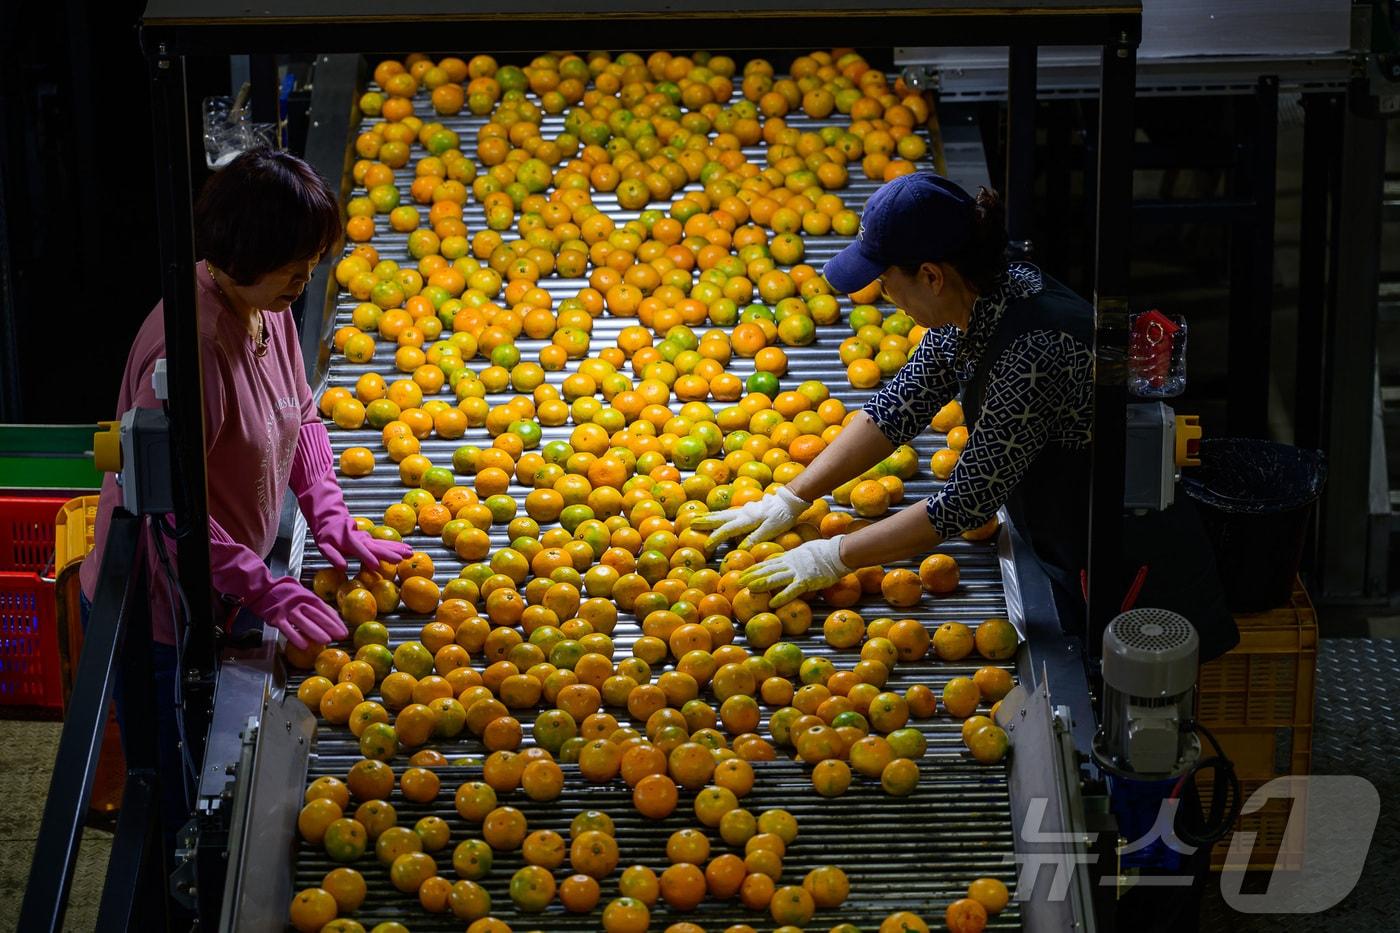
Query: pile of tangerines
[{"x": 661, "y": 431}]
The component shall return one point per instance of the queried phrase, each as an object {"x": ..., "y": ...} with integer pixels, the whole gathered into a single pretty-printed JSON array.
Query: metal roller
[{"x": 914, "y": 853}]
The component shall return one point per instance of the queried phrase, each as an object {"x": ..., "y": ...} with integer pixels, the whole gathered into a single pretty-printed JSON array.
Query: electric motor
[{"x": 1150, "y": 659}]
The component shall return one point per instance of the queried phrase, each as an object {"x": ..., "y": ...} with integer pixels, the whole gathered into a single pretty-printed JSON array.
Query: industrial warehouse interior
[{"x": 711, "y": 467}]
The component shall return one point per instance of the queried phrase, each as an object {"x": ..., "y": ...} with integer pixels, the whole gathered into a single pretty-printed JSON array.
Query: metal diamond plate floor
[{"x": 1357, "y": 732}]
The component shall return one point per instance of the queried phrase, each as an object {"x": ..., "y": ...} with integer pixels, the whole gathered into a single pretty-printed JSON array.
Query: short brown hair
[{"x": 263, "y": 210}]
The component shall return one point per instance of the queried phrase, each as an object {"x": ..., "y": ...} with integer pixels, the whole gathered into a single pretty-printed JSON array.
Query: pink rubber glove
[
  {"x": 281, "y": 602},
  {"x": 313, "y": 482}
]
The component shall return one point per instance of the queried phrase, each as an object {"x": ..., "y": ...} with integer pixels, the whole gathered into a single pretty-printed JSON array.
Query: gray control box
[
  {"x": 1149, "y": 479},
  {"x": 147, "y": 487}
]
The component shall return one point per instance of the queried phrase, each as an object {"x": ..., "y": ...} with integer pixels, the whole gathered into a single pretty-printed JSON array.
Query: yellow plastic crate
[
  {"x": 1258, "y": 702},
  {"x": 73, "y": 532}
]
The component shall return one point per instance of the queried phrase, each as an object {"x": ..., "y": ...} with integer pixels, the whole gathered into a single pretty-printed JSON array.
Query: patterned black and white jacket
[{"x": 1038, "y": 393}]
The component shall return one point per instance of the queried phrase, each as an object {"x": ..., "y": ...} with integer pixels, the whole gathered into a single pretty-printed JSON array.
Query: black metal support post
[
  {"x": 1088, "y": 205},
  {"x": 134, "y": 895},
  {"x": 264, "y": 92},
  {"x": 1320, "y": 122},
  {"x": 118, "y": 621},
  {"x": 1055, "y": 253},
  {"x": 1020, "y": 149},
  {"x": 989, "y": 125},
  {"x": 1345, "y": 558},
  {"x": 1111, "y": 247},
  {"x": 174, "y": 205},
  {"x": 1252, "y": 271}
]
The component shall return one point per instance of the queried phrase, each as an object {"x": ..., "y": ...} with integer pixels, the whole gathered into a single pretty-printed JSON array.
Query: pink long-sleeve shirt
[{"x": 254, "y": 407}]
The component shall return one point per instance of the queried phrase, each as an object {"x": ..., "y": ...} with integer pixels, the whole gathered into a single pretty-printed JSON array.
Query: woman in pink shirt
[{"x": 261, "y": 226}]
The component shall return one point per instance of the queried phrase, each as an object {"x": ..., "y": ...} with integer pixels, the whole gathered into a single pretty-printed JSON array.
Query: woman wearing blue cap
[{"x": 1016, "y": 344}]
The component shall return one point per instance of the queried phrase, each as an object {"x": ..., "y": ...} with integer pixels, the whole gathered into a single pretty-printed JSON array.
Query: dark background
[{"x": 77, "y": 182}]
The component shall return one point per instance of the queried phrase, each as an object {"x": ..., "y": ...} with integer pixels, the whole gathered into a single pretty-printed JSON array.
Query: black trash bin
[{"x": 1255, "y": 500}]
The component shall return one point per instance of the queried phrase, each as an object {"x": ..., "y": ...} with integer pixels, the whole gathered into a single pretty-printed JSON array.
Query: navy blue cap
[{"x": 916, "y": 218}]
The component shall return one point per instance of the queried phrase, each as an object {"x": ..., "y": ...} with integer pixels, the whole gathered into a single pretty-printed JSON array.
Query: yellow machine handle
[
  {"x": 1188, "y": 440},
  {"x": 107, "y": 447}
]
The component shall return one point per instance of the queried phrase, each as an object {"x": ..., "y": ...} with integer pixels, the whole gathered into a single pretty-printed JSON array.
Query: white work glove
[
  {"x": 813, "y": 566},
  {"x": 765, "y": 518}
]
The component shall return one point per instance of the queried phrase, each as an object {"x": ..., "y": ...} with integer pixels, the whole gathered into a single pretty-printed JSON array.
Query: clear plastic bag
[
  {"x": 229, "y": 132},
  {"x": 1157, "y": 355}
]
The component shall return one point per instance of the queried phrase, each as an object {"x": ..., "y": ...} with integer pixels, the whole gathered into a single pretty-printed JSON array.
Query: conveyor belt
[{"x": 914, "y": 853}]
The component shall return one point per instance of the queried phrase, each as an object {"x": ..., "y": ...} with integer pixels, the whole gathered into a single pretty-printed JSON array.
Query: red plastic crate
[
  {"x": 29, "y": 659},
  {"x": 30, "y": 664},
  {"x": 27, "y": 533}
]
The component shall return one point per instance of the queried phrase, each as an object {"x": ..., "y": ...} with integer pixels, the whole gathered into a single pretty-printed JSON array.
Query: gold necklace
[{"x": 260, "y": 342}]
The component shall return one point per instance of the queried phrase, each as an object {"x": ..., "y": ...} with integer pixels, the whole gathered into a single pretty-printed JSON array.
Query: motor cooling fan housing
[{"x": 1150, "y": 659}]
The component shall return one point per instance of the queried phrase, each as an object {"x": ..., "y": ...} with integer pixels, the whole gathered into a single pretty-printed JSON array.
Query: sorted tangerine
[
  {"x": 370, "y": 780},
  {"x": 312, "y": 909},
  {"x": 655, "y": 795},
  {"x": 396, "y": 841},
  {"x": 504, "y": 828},
  {"x": 683, "y": 886},
  {"x": 961, "y": 697},
  {"x": 433, "y": 831},
  {"x": 991, "y": 893},
  {"x": 966, "y": 915},
  {"x": 988, "y": 744},
  {"x": 996, "y": 639},
  {"x": 542, "y": 780},
  {"x": 901, "y": 588},
  {"x": 345, "y": 840},
  {"x": 579, "y": 893},
  {"x": 939, "y": 574},
  {"x": 922, "y": 701},
  {"x": 903, "y": 922},
  {"x": 993, "y": 683},
  {"x": 910, "y": 639},
  {"x": 831, "y": 777},
  {"x": 419, "y": 785},
  {"x": 953, "y": 641},
  {"x": 594, "y": 853},
  {"x": 756, "y": 891},
  {"x": 626, "y": 915},
  {"x": 316, "y": 816},
  {"x": 331, "y": 788},
  {"x": 474, "y": 801},
  {"x": 792, "y": 905},
  {"x": 641, "y": 883},
  {"x": 347, "y": 887}
]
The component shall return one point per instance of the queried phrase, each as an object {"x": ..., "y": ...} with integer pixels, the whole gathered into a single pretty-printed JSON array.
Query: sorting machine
[
  {"x": 239, "y": 861},
  {"x": 955, "y": 828},
  {"x": 901, "y": 853}
]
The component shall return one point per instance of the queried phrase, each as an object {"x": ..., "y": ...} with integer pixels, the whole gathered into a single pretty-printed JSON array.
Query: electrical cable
[
  {"x": 191, "y": 772},
  {"x": 176, "y": 619},
  {"x": 177, "y": 533},
  {"x": 1225, "y": 787}
]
